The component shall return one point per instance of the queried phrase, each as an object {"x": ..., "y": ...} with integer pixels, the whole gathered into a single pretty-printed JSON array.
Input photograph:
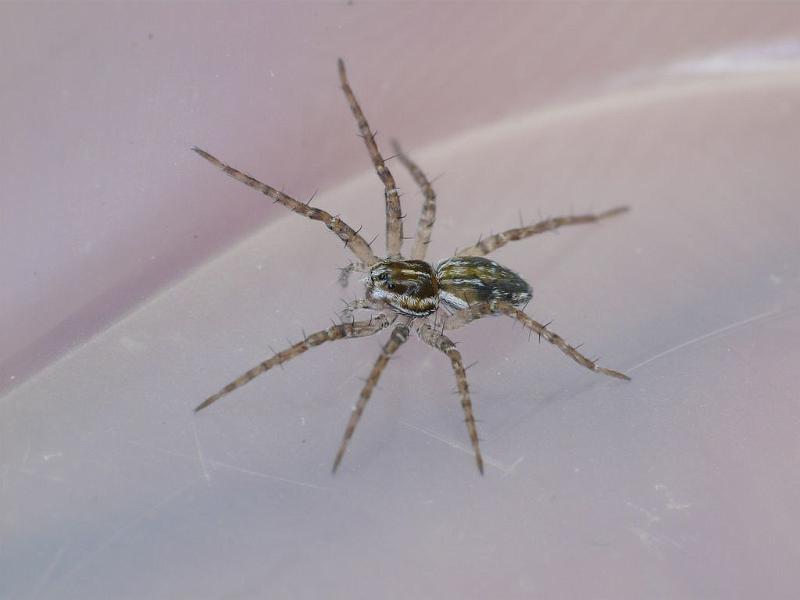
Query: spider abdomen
[{"x": 467, "y": 280}]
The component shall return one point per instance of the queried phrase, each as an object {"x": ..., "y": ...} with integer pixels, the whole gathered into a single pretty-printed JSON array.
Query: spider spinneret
[{"x": 405, "y": 293}]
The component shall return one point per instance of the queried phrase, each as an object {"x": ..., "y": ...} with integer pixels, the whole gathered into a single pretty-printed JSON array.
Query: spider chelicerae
[{"x": 407, "y": 293}]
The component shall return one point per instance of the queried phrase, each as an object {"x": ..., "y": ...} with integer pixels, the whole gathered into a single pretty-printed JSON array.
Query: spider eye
[{"x": 390, "y": 285}]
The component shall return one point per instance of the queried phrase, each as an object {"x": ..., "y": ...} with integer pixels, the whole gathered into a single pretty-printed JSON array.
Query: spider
[{"x": 407, "y": 293}]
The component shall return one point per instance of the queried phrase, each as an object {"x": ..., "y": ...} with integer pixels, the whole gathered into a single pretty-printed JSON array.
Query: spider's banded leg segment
[
  {"x": 484, "y": 309},
  {"x": 493, "y": 242},
  {"x": 347, "y": 234},
  {"x": 442, "y": 343},
  {"x": 428, "y": 215},
  {"x": 346, "y": 314},
  {"x": 398, "y": 338},
  {"x": 394, "y": 220},
  {"x": 336, "y": 332}
]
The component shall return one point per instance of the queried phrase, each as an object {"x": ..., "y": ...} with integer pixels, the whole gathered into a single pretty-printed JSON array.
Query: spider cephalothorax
[
  {"x": 409, "y": 287},
  {"x": 406, "y": 293}
]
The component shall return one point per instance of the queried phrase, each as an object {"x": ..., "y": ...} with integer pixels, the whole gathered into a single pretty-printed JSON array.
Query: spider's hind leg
[
  {"x": 336, "y": 332},
  {"x": 494, "y": 307},
  {"x": 444, "y": 344},
  {"x": 498, "y": 240}
]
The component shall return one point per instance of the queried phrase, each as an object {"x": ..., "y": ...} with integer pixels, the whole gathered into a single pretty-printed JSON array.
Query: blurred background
[{"x": 138, "y": 280}]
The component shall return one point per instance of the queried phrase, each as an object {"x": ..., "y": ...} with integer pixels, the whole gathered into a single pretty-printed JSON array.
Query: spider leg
[
  {"x": 493, "y": 307},
  {"x": 428, "y": 215},
  {"x": 394, "y": 218},
  {"x": 498, "y": 240},
  {"x": 345, "y": 272},
  {"x": 442, "y": 343},
  {"x": 346, "y": 314},
  {"x": 335, "y": 332},
  {"x": 398, "y": 338},
  {"x": 347, "y": 234}
]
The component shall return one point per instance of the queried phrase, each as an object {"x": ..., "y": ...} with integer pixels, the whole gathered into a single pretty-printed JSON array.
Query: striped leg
[
  {"x": 346, "y": 314},
  {"x": 398, "y": 338},
  {"x": 394, "y": 217},
  {"x": 498, "y": 240},
  {"x": 347, "y": 234},
  {"x": 335, "y": 332},
  {"x": 484, "y": 309},
  {"x": 442, "y": 343},
  {"x": 428, "y": 215}
]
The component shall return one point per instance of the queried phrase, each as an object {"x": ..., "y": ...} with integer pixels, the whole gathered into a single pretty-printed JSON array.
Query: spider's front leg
[
  {"x": 494, "y": 307},
  {"x": 352, "y": 329},
  {"x": 394, "y": 217},
  {"x": 428, "y": 214},
  {"x": 398, "y": 338},
  {"x": 444, "y": 344},
  {"x": 351, "y": 238},
  {"x": 346, "y": 314}
]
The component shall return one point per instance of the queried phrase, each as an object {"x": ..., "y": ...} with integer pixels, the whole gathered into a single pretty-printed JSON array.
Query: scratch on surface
[
  {"x": 647, "y": 536},
  {"x": 265, "y": 476},
  {"x": 222, "y": 465},
  {"x": 650, "y": 539},
  {"x": 203, "y": 468},
  {"x": 39, "y": 475},
  {"x": 643, "y": 535},
  {"x": 705, "y": 336},
  {"x": 513, "y": 466},
  {"x": 26, "y": 456},
  {"x": 26, "y": 470},
  {"x": 672, "y": 503},
  {"x": 124, "y": 529},
  {"x": 651, "y": 517},
  {"x": 48, "y": 573},
  {"x": 505, "y": 469}
]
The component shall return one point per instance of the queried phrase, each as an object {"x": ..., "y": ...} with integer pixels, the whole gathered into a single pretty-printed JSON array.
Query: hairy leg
[
  {"x": 394, "y": 217},
  {"x": 428, "y": 215},
  {"x": 484, "y": 309},
  {"x": 346, "y": 314},
  {"x": 347, "y": 234},
  {"x": 498, "y": 240},
  {"x": 398, "y": 338},
  {"x": 442, "y": 343},
  {"x": 336, "y": 332}
]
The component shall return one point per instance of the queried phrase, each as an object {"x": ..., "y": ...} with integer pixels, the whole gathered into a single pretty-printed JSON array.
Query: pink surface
[
  {"x": 679, "y": 484},
  {"x": 101, "y": 204}
]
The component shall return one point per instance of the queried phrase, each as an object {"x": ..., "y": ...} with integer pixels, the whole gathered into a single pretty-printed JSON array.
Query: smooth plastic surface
[{"x": 681, "y": 483}]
